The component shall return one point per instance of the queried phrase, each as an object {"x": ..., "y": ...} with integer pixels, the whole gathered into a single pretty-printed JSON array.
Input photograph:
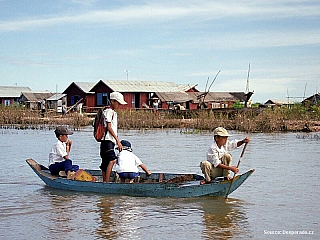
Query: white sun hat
[{"x": 118, "y": 97}]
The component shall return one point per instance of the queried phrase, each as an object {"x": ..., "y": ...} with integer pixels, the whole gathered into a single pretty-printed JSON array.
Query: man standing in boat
[
  {"x": 218, "y": 163},
  {"x": 110, "y": 139}
]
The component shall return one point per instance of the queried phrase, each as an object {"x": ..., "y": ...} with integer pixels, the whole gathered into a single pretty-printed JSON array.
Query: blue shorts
[{"x": 128, "y": 175}]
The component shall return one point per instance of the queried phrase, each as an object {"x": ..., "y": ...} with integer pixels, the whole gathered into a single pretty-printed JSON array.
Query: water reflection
[
  {"x": 224, "y": 219},
  {"x": 69, "y": 214},
  {"x": 138, "y": 218},
  {"x": 107, "y": 228},
  {"x": 62, "y": 211}
]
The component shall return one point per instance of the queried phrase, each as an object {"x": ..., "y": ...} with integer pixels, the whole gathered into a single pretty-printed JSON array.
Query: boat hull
[{"x": 154, "y": 189}]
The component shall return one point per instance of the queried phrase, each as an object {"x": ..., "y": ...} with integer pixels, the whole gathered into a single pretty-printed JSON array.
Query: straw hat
[{"x": 222, "y": 132}]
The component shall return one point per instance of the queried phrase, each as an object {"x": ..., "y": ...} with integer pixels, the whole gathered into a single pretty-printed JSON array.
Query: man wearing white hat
[
  {"x": 218, "y": 162},
  {"x": 110, "y": 139}
]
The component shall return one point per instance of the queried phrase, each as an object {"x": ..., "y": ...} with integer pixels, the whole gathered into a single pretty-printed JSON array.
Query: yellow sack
[{"x": 82, "y": 175}]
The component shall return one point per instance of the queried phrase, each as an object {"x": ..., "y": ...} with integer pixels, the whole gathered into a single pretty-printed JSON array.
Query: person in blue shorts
[{"x": 128, "y": 163}]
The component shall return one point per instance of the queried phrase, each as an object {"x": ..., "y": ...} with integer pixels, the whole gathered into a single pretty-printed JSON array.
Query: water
[{"x": 281, "y": 196}]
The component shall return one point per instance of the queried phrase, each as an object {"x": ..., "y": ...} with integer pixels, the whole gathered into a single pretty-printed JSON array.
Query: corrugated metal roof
[
  {"x": 85, "y": 86},
  {"x": 214, "y": 96},
  {"x": 314, "y": 98},
  {"x": 241, "y": 96},
  {"x": 278, "y": 102},
  {"x": 178, "y": 97},
  {"x": 10, "y": 91},
  {"x": 186, "y": 87},
  {"x": 56, "y": 96},
  {"x": 193, "y": 96},
  {"x": 143, "y": 86},
  {"x": 35, "y": 96}
]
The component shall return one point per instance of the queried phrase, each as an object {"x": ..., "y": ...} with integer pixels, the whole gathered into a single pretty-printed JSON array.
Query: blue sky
[{"x": 46, "y": 45}]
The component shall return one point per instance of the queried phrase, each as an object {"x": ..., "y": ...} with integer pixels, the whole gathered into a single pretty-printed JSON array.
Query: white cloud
[
  {"x": 167, "y": 11},
  {"x": 85, "y": 3},
  {"x": 24, "y": 62},
  {"x": 265, "y": 39}
]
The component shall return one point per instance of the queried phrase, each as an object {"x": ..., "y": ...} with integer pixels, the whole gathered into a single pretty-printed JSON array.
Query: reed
[
  {"x": 248, "y": 120},
  {"x": 12, "y": 117},
  {"x": 297, "y": 118}
]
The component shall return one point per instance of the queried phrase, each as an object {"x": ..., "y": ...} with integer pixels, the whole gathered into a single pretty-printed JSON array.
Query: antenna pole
[
  {"x": 247, "y": 87},
  {"x": 304, "y": 94},
  {"x": 205, "y": 89}
]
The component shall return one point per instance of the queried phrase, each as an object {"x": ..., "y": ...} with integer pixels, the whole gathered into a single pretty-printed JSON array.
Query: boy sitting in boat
[
  {"x": 218, "y": 163},
  {"x": 59, "y": 154},
  {"x": 128, "y": 163}
]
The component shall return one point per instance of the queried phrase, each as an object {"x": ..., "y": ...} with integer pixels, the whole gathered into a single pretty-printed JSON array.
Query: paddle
[{"x": 234, "y": 174}]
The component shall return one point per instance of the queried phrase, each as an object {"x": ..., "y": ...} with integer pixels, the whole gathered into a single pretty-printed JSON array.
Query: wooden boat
[{"x": 156, "y": 185}]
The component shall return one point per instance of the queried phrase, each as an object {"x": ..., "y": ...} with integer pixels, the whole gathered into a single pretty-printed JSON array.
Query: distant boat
[{"x": 156, "y": 185}]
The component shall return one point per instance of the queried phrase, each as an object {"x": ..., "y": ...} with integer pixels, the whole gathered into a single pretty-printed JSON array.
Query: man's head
[
  {"x": 221, "y": 132},
  {"x": 117, "y": 98},
  {"x": 220, "y": 136}
]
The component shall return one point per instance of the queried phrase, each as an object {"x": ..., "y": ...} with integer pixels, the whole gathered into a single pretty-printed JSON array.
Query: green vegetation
[{"x": 238, "y": 105}]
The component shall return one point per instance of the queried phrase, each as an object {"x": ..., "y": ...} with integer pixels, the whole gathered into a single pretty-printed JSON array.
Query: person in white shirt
[
  {"x": 59, "y": 154},
  {"x": 218, "y": 161},
  {"x": 107, "y": 154},
  {"x": 128, "y": 163}
]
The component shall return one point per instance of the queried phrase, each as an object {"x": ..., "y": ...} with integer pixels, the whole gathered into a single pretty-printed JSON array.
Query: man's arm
[
  {"x": 109, "y": 128},
  {"x": 246, "y": 140},
  {"x": 68, "y": 148},
  {"x": 231, "y": 168}
]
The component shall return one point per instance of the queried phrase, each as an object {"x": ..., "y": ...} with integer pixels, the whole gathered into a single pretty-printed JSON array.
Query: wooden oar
[{"x": 234, "y": 174}]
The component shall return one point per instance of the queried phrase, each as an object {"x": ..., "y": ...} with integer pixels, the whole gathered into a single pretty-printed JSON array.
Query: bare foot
[
  {"x": 131, "y": 180},
  {"x": 70, "y": 175},
  {"x": 203, "y": 182}
]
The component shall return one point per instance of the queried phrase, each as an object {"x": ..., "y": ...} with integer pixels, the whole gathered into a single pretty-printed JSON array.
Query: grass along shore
[{"x": 296, "y": 119}]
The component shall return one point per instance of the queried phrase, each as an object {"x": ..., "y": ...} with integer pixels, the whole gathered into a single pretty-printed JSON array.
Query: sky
[{"x": 47, "y": 45}]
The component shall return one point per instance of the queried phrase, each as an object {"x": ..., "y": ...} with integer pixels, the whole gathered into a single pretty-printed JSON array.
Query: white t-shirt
[
  {"x": 127, "y": 162},
  {"x": 111, "y": 117},
  {"x": 58, "y": 151},
  {"x": 215, "y": 153}
]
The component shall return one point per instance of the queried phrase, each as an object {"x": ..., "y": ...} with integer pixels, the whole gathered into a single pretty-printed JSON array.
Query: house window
[
  {"x": 102, "y": 99},
  {"x": 6, "y": 102},
  {"x": 75, "y": 99},
  {"x": 215, "y": 105}
]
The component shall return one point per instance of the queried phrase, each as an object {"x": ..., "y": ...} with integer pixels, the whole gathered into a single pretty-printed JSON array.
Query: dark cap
[
  {"x": 125, "y": 143},
  {"x": 62, "y": 130}
]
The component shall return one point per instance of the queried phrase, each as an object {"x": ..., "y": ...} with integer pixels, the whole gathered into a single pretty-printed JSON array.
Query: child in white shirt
[
  {"x": 128, "y": 163},
  {"x": 59, "y": 154}
]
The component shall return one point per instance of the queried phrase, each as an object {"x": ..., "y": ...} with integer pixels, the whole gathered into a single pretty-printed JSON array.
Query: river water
[{"x": 279, "y": 201}]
